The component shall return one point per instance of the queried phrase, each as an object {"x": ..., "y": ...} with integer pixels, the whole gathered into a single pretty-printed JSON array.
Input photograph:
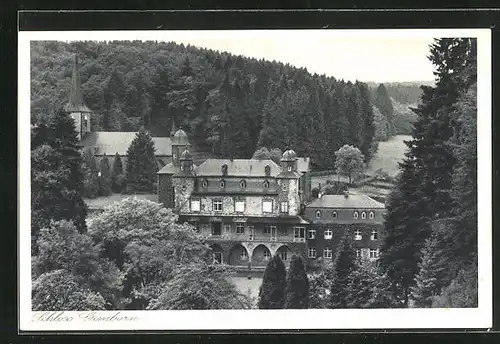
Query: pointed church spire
[{"x": 75, "y": 93}]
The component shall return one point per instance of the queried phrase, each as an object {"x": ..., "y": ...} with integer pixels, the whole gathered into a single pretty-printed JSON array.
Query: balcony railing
[{"x": 255, "y": 237}]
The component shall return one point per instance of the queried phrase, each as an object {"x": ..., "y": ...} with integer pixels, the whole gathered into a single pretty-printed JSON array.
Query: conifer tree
[
  {"x": 117, "y": 177},
  {"x": 343, "y": 265},
  {"x": 272, "y": 290},
  {"x": 434, "y": 269},
  {"x": 368, "y": 286},
  {"x": 423, "y": 191},
  {"x": 140, "y": 173},
  {"x": 91, "y": 175},
  {"x": 56, "y": 176},
  {"x": 297, "y": 285},
  {"x": 105, "y": 177},
  {"x": 384, "y": 103}
]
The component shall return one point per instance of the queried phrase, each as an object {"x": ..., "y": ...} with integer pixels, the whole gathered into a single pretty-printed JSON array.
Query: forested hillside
[{"x": 229, "y": 105}]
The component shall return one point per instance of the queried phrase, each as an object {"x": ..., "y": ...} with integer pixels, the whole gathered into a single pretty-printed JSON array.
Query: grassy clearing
[{"x": 389, "y": 154}]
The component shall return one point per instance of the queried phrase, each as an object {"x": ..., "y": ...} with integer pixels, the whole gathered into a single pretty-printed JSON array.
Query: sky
[{"x": 370, "y": 57}]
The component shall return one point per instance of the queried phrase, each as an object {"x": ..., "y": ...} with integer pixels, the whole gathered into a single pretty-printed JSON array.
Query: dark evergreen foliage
[
  {"x": 229, "y": 105},
  {"x": 272, "y": 290},
  {"x": 383, "y": 102},
  {"x": 56, "y": 176},
  {"x": 105, "y": 177},
  {"x": 424, "y": 192},
  {"x": 117, "y": 176},
  {"x": 297, "y": 285},
  {"x": 90, "y": 175},
  {"x": 140, "y": 173},
  {"x": 343, "y": 265}
]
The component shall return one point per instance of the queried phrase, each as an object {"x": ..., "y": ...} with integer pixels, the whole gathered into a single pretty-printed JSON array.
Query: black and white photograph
[{"x": 324, "y": 179}]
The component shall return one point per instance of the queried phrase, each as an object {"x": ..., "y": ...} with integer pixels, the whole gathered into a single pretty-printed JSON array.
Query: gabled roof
[
  {"x": 303, "y": 165},
  {"x": 350, "y": 202},
  {"x": 112, "y": 142},
  {"x": 238, "y": 168}
]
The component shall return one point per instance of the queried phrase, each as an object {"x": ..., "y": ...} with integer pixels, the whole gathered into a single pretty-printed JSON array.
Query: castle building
[
  {"x": 250, "y": 210},
  {"x": 331, "y": 216},
  {"x": 106, "y": 143}
]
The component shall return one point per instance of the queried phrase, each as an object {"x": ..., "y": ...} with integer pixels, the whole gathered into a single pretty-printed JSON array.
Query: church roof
[
  {"x": 238, "y": 167},
  {"x": 349, "y": 202},
  {"x": 112, "y": 142}
]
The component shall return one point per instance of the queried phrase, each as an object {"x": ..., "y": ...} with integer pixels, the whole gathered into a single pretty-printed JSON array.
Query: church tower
[
  {"x": 180, "y": 143},
  {"x": 76, "y": 107}
]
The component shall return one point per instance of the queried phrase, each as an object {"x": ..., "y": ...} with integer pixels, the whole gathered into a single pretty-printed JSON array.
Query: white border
[{"x": 347, "y": 319}]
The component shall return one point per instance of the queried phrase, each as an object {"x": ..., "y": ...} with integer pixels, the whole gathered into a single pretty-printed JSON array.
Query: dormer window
[
  {"x": 289, "y": 168},
  {"x": 204, "y": 183},
  {"x": 318, "y": 214},
  {"x": 371, "y": 215},
  {"x": 363, "y": 215},
  {"x": 267, "y": 170},
  {"x": 355, "y": 215},
  {"x": 224, "y": 170},
  {"x": 265, "y": 185},
  {"x": 222, "y": 184},
  {"x": 243, "y": 184},
  {"x": 334, "y": 215}
]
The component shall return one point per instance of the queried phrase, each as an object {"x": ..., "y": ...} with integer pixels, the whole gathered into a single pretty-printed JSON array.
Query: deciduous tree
[{"x": 349, "y": 161}]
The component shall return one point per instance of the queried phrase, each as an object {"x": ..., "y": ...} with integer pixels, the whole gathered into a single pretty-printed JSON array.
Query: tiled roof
[
  {"x": 169, "y": 169},
  {"x": 237, "y": 168},
  {"x": 112, "y": 142},
  {"x": 351, "y": 202},
  {"x": 303, "y": 164}
]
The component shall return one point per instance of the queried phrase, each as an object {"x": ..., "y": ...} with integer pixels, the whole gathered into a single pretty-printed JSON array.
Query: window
[
  {"x": 195, "y": 205},
  {"x": 284, "y": 207},
  {"x": 267, "y": 170},
  {"x": 283, "y": 186},
  {"x": 299, "y": 234},
  {"x": 312, "y": 234},
  {"x": 311, "y": 252},
  {"x": 222, "y": 184},
  {"x": 243, "y": 184},
  {"x": 318, "y": 214},
  {"x": 327, "y": 252},
  {"x": 267, "y": 206},
  {"x": 363, "y": 215},
  {"x": 224, "y": 170},
  {"x": 283, "y": 254},
  {"x": 283, "y": 230},
  {"x": 240, "y": 228},
  {"x": 204, "y": 183},
  {"x": 267, "y": 255},
  {"x": 216, "y": 228},
  {"x": 217, "y": 205},
  {"x": 358, "y": 253},
  {"x": 334, "y": 215},
  {"x": 328, "y": 233},
  {"x": 355, "y": 215},
  {"x": 357, "y": 234},
  {"x": 239, "y": 206},
  {"x": 371, "y": 215},
  {"x": 243, "y": 254},
  {"x": 374, "y": 235},
  {"x": 251, "y": 230},
  {"x": 374, "y": 253},
  {"x": 289, "y": 168},
  {"x": 227, "y": 228},
  {"x": 265, "y": 184},
  {"x": 267, "y": 229}
]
